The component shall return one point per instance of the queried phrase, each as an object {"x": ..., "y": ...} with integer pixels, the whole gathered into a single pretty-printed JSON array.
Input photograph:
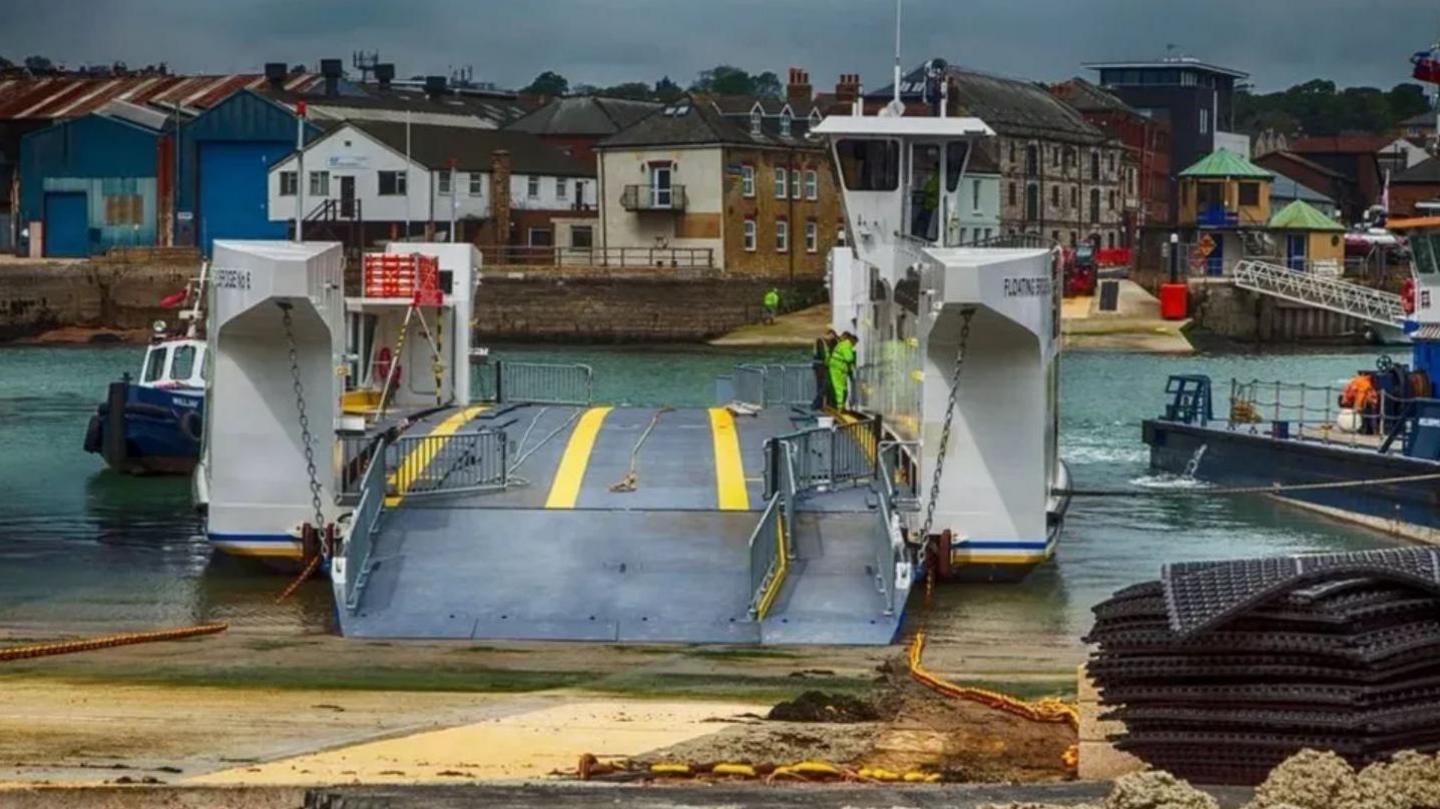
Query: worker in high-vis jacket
[
  {"x": 772, "y": 305},
  {"x": 820, "y": 366},
  {"x": 842, "y": 363}
]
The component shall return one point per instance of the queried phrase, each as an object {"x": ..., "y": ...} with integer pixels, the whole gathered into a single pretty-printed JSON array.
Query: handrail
[
  {"x": 359, "y": 539},
  {"x": 774, "y": 384},
  {"x": 1311, "y": 412},
  {"x": 693, "y": 258},
  {"x": 1323, "y": 292},
  {"x": 537, "y": 383}
]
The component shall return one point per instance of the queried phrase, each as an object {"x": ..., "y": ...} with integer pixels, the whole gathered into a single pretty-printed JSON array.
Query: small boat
[
  {"x": 1287, "y": 437},
  {"x": 155, "y": 424}
]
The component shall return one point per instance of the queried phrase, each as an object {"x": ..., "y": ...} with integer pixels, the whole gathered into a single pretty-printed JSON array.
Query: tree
[
  {"x": 633, "y": 90},
  {"x": 767, "y": 84},
  {"x": 1317, "y": 107},
  {"x": 667, "y": 91},
  {"x": 548, "y": 83},
  {"x": 728, "y": 80}
]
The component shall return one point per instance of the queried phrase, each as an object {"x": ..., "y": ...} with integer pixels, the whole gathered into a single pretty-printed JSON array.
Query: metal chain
[
  {"x": 303, "y": 417},
  {"x": 966, "y": 316}
]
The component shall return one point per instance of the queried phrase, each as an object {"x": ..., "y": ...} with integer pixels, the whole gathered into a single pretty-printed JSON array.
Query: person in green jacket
[
  {"x": 772, "y": 305},
  {"x": 842, "y": 362}
]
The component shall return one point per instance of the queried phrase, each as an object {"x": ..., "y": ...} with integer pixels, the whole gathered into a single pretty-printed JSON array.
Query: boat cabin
[{"x": 174, "y": 364}]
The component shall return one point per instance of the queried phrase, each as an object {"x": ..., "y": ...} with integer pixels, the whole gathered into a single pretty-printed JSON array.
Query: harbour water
[{"x": 86, "y": 550}]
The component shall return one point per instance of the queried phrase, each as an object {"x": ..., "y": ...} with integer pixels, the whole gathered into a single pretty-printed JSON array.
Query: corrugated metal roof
[{"x": 71, "y": 97}]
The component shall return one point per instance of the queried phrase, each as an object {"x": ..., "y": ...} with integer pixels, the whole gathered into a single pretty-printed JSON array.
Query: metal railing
[
  {"x": 653, "y": 198},
  {"x": 775, "y": 385},
  {"x": 823, "y": 458},
  {"x": 1311, "y": 413},
  {"x": 770, "y": 547},
  {"x": 360, "y": 539},
  {"x": 1334, "y": 294},
  {"x": 446, "y": 464},
  {"x": 888, "y": 539},
  {"x": 614, "y": 257},
  {"x": 535, "y": 383}
]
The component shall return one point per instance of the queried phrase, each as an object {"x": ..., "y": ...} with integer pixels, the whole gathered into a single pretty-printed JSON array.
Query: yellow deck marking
[
  {"x": 414, "y": 464},
  {"x": 730, "y": 491},
  {"x": 566, "y": 488}
]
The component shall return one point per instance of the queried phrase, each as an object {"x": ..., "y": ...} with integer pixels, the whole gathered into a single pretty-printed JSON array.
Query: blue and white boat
[{"x": 154, "y": 425}]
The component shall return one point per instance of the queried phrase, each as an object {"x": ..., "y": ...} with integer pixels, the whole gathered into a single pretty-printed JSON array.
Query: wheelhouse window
[
  {"x": 1426, "y": 247},
  {"x": 869, "y": 165},
  {"x": 155, "y": 365},
  {"x": 392, "y": 183},
  {"x": 288, "y": 183},
  {"x": 955, "y": 152},
  {"x": 182, "y": 365}
]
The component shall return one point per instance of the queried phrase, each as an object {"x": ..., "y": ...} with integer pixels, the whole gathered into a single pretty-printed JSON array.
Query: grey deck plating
[{"x": 667, "y": 562}]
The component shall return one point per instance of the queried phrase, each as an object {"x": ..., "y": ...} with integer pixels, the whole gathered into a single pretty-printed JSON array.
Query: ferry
[
  {"x": 154, "y": 424},
  {"x": 1383, "y": 425},
  {"x": 450, "y": 496}
]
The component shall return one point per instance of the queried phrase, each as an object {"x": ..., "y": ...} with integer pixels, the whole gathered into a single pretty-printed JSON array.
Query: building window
[
  {"x": 1032, "y": 202},
  {"x": 785, "y": 124},
  {"x": 747, "y": 180},
  {"x": 1014, "y": 198},
  {"x": 1055, "y": 196},
  {"x": 532, "y": 187},
  {"x": 1055, "y": 236},
  {"x": 750, "y": 235},
  {"x": 392, "y": 184},
  {"x": 1112, "y": 162},
  {"x": 987, "y": 234},
  {"x": 1069, "y": 157},
  {"x": 582, "y": 236},
  {"x": 319, "y": 183},
  {"x": 1055, "y": 157},
  {"x": 1094, "y": 205},
  {"x": 840, "y": 235},
  {"x": 812, "y": 237},
  {"x": 782, "y": 183},
  {"x": 477, "y": 184},
  {"x": 562, "y": 188},
  {"x": 541, "y": 237},
  {"x": 1074, "y": 196},
  {"x": 755, "y": 119},
  {"x": 1032, "y": 160},
  {"x": 795, "y": 182},
  {"x": 1249, "y": 193},
  {"x": 1095, "y": 166},
  {"x": 812, "y": 185},
  {"x": 975, "y": 194},
  {"x": 124, "y": 209},
  {"x": 442, "y": 183},
  {"x": 782, "y": 236},
  {"x": 1012, "y": 153},
  {"x": 1112, "y": 200},
  {"x": 1204, "y": 122},
  {"x": 287, "y": 183}
]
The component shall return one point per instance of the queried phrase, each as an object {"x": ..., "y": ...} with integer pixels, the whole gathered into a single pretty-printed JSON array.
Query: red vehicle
[{"x": 1080, "y": 271}]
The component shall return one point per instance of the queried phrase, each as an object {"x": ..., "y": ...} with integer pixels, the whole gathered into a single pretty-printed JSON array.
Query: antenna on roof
[{"x": 896, "y": 106}]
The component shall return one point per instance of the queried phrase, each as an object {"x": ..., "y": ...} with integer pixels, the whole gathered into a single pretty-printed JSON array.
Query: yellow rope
[{"x": 107, "y": 641}]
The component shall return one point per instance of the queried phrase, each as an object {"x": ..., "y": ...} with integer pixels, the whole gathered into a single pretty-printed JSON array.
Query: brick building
[
  {"x": 733, "y": 180},
  {"x": 1060, "y": 175},
  {"x": 1357, "y": 159},
  {"x": 1413, "y": 186},
  {"x": 1146, "y": 140}
]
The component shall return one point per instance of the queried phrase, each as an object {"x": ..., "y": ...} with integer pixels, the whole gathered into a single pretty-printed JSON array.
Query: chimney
[
  {"x": 384, "y": 74},
  {"x": 275, "y": 73},
  {"x": 434, "y": 86},
  {"x": 847, "y": 90},
  {"x": 500, "y": 199},
  {"x": 799, "y": 92},
  {"x": 331, "y": 69}
]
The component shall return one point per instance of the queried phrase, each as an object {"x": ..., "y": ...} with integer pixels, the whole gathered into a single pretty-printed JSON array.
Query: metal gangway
[{"x": 1358, "y": 301}]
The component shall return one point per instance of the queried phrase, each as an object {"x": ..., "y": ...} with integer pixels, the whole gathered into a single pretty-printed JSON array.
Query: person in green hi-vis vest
[
  {"x": 772, "y": 305},
  {"x": 842, "y": 362}
]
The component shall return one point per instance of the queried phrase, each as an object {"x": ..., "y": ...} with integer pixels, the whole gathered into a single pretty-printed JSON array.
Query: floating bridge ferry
[
  {"x": 1384, "y": 425},
  {"x": 500, "y": 501}
]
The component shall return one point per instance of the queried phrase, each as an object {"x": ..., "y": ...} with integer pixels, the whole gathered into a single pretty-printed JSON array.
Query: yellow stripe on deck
[
  {"x": 730, "y": 491},
  {"x": 566, "y": 488},
  {"x": 419, "y": 458}
]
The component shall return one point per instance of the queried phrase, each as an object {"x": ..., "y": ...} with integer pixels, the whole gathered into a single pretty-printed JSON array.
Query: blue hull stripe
[{"x": 1003, "y": 544}]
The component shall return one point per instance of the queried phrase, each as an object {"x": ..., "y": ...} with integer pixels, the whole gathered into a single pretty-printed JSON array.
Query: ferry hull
[
  {"x": 1239, "y": 457},
  {"x": 140, "y": 430}
]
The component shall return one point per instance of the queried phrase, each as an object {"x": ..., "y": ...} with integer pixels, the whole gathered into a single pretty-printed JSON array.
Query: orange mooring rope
[
  {"x": 300, "y": 579},
  {"x": 107, "y": 641}
]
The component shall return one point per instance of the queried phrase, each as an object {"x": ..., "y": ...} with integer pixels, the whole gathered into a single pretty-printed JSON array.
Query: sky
[{"x": 600, "y": 42}]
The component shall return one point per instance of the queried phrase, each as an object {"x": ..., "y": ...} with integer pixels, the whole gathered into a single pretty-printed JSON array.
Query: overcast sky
[{"x": 1280, "y": 42}]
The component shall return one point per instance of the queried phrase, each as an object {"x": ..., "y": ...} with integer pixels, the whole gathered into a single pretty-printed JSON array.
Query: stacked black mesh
[{"x": 1220, "y": 671}]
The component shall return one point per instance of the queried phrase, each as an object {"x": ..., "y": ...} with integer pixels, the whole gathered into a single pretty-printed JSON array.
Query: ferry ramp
[
  {"x": 1375, "y": 306},
  {"x": 617, "y": 524}
]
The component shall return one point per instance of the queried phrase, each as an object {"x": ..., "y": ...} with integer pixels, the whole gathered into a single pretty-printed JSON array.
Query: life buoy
[
  {"x": 192, "y": 425},
  {"x": 384, "y": 360},
  {"x": 1407, "y": 296}
]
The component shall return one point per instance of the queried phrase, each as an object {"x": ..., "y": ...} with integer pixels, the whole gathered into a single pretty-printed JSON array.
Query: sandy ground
[
  {"x": 796, "y": 329},
  {"x": 1135, "y": 326}
]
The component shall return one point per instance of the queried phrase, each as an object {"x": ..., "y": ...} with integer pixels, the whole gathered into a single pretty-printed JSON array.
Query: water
[{"x": 83, "y": 549}]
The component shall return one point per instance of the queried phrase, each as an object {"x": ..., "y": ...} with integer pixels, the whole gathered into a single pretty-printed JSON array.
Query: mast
[{"x": 896, "y": 105}]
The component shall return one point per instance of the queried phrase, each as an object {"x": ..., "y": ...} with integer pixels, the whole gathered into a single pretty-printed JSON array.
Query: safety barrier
[
  {"x": 889, "y": 539},
  {"x": 447, "y": 464},
  {"x": 775, "y": 385},
  {"x": 770, "y": 547},
  {"x": 1336, "y": 295},
  {"x": 359, "y": 540},
  {"x": 1310, "y": 412},
  {"x": 355, "y": 454},
  {"x": 827, "y": 457},
  {"x": 536, "y": 383}
]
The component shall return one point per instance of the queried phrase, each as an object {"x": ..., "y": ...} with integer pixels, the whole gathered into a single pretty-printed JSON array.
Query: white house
[
  {"x": 975, "y": 203},
  {"x": 391, "y": 172}
]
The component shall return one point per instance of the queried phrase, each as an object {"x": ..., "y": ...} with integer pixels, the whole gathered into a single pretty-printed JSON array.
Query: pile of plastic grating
[{"x": 1222, "y": 670}]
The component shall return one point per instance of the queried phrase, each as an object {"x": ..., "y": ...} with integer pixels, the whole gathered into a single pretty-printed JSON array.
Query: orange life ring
[{"x": 383, "y": 361}]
